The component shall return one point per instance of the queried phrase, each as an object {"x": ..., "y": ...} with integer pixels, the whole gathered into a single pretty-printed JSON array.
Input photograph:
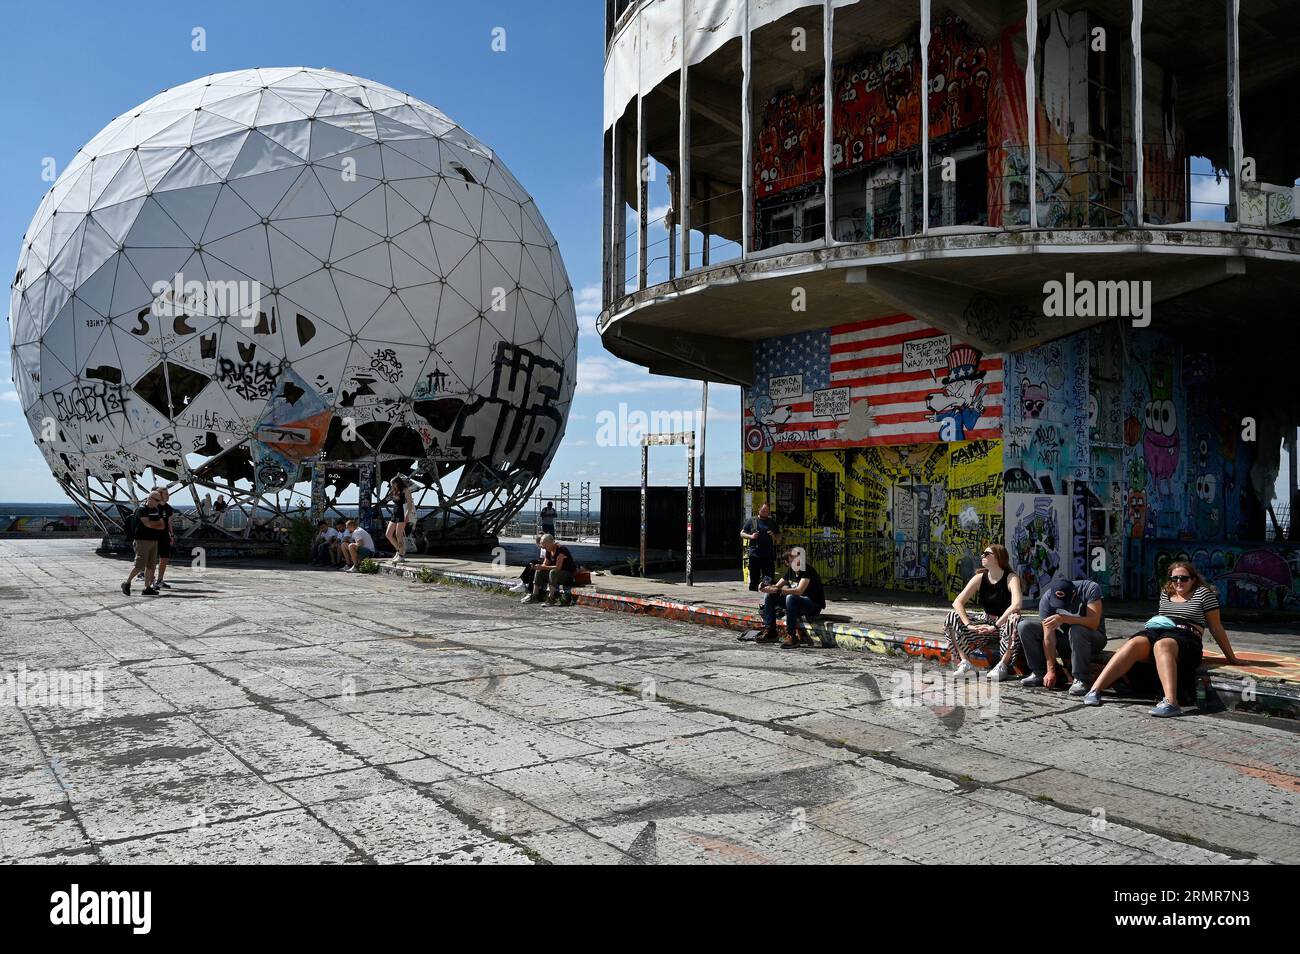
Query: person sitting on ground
[
  {"x": 399, "y": 493},
  {"x": 998, "y": 587},
  {"x": 761, "y": 533},
  {"x": 1171, "y": 642},
  {"x": 556, "y": 571},
  {"x": 361, "y": 546},
  {"x": 1072, "y": 608},
  {"x": 149, "y": 526},
  {"x": 798, "y": 594},
  {"x": 341, "y": 539},
  {"x": 322, "y": 543}
]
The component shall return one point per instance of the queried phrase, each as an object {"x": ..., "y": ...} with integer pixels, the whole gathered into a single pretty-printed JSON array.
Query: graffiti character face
[
  {"x": 1160, "y": 439},
  {"x": 1033, "y": 398},
  {"x": 1207, "y": 486}
]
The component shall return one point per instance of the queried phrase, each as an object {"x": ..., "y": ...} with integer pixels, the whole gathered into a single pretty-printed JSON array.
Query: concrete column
[
  {"x": 642, "y": 194},
  {"x": 925, "y": 117},
  {"x": 1139, "y": 160},
  {"x": 1234, "y": 112},
  {"x": 828, "y": 123},
  {"x": 1031, "y": 106},
  {"x": 746, "y": 162},
  {"x": 684, "y": 148}
]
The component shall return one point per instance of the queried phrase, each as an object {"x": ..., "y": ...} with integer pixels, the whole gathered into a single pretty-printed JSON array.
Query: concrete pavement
[{"x": 272, "y": 714}]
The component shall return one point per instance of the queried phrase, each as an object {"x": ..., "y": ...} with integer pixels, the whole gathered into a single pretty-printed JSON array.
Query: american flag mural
[{"x": 891, "y": 380}]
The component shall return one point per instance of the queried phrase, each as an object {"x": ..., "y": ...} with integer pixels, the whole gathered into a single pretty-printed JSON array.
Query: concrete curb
[{"x": 1273, "y": 697}]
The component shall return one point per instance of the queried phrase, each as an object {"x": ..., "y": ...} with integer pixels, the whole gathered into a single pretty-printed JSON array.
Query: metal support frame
[
  {"x": 660, "y": 439},
  {"x": 642, "y": 196}
]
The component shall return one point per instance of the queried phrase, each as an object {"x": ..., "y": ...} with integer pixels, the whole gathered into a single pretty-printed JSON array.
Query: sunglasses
[
  {"x": 987, "y": 553},
  {"x": 1180, "y": 578}
]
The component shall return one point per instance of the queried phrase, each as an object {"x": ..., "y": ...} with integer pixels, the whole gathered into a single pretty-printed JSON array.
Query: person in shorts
[
  {"x": 167, "y": 541},
  {"x": 399, "y": 493},
  {"x": 361, "y": 545},
  {"x": 150, "y": 525}
]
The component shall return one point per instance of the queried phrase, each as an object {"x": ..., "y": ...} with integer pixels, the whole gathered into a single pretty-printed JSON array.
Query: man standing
[
  {"x": 149, "y": 527},
  {"x": 1071, "y": 607},
  {"x": 761, "y": 532},
  {"x": 548, "y": 518},
  {"x": 167, "y": 539},
  {"x": 797, "y": 594}
]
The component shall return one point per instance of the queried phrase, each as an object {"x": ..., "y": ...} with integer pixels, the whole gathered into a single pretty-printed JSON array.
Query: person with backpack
[
  {"x": 145, "y": 527},
  {"x": 168, "y": 539}
]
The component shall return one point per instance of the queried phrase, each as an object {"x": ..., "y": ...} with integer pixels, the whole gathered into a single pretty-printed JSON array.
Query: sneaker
[
  {"x": 349, "y": 569},
  {"x": 531, "y": 598},
  {"x": 1166, "y": 708},
  {"x": 1093, "y": 698},
  {"x": 162, "y": 585},
  {"x": 1078, "y": 688},
  {"x": 1032, "y": 681},
  {"x": 398, "y": 558},
  {"x": 964, "y": 670},
  {"x": 1000, "y": 673},
  {"x": 126, "y": 589},
  {"x": 149, "y": 591}
]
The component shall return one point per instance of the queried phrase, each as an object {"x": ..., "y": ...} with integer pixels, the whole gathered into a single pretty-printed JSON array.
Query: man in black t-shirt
[
  {"x": 150, "y": 525},
  {"x": 553, "y": 573},
  {"x": 761, "y": 533},
  {"x": 796, "y": 595},
  {"x": 168, "y": 538}
]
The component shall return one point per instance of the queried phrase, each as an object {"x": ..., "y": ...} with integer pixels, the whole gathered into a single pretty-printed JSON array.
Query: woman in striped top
[{"x": 1175, "y": 651}]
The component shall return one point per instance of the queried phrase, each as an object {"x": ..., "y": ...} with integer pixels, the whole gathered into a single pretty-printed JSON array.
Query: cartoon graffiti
[{"x": 961, "y": 401}]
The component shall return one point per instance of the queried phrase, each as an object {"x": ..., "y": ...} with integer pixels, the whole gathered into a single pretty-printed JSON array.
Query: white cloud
[
  {"x": 586, "y": 302},
  {"x": 606, "y": 375},
  {"x": 9, "y": 396}
]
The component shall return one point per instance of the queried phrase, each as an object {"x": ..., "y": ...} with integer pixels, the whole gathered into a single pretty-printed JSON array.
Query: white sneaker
[
  {"x": 964, "y": 670},
  {"x": 351, "y": 569},
  {"x": 398, "y": 558},
  {"x": 999, "y": 672}
]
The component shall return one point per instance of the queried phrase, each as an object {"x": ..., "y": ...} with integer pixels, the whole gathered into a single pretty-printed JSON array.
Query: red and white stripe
[{"x": 867, "y": 358}]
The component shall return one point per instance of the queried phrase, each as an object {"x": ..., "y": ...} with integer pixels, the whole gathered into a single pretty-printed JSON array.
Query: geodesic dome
[{"x": 274, "y": 283}]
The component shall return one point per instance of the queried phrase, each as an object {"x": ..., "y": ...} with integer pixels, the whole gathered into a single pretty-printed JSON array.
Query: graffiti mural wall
[
  {"x": 892, "y": 380},
  {"x": 1047, "y": 422}
]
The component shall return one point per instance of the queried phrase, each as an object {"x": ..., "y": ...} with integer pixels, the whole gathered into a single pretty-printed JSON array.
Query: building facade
[{"x": 938, "y": 349}]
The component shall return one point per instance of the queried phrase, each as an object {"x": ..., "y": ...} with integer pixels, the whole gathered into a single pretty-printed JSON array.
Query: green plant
[
  {"x": 368, "y": 566},
  {"x": 633, "y": 566},
  {"x": 426, "y": 575},
  {"x": 301, "y": 535}
]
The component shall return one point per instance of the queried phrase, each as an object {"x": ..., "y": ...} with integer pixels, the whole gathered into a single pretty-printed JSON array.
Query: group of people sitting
[
  {"x": 342, "y": 545},
  {"x": 1062, "y": 648},
  {"x": 1071, "y": 624}
]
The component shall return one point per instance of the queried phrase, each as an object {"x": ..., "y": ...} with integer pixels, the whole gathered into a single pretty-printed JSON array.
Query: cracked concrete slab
[{"x": 292, "y": 716}]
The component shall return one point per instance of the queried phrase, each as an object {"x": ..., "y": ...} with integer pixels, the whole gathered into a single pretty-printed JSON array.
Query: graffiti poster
[
  {"x": 1038, "y": 539},
  {"x": 1047, "y": 416}
]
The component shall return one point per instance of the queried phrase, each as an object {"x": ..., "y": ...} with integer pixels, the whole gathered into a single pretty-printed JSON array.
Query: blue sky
[{"x": 69, "y": 68}]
